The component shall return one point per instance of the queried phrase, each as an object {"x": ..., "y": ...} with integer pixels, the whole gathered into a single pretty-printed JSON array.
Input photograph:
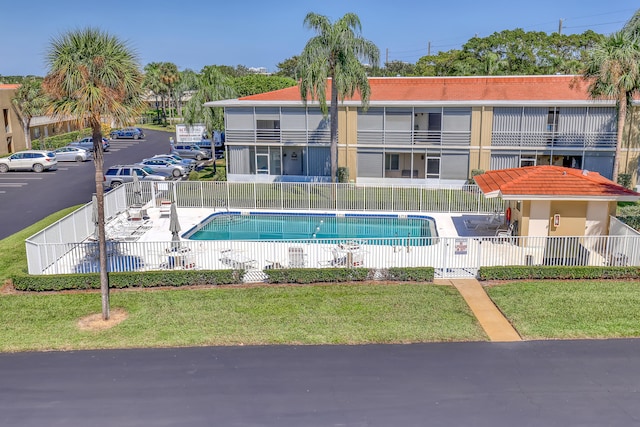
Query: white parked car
[
  {"x": 72, "y": 154},
  {"x": 164, "y": 165},
  {"x": 35, "y": 160}
]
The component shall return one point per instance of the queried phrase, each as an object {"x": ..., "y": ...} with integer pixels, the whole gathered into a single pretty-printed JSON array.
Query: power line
[{"x": 420, "y": 52}]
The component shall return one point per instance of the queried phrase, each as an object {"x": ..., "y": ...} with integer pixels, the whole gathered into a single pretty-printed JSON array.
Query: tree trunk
[
  {"x": 622, "y": 116},
  {"x": 98, "y": 157},
  {"x": 27, "y": 133},
  {"x": 333, "y": 114}
]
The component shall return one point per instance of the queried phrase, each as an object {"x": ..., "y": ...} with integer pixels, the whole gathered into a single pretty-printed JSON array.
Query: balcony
[{"x": 554, "y": 139}]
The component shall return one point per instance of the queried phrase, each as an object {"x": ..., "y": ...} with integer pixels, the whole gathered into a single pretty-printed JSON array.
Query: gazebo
[{"x": 554, "y": 200}]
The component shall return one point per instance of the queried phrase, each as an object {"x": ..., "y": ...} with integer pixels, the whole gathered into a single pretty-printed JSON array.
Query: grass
[
  {"x": 337, "y": 314},
  {"x": 571, "y": 309},
  {"x": 14, "y": 255}
]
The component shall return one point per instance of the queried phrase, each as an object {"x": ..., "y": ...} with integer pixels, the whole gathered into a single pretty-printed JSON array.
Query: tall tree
[
  {"x": 212, "y": 85},
  {"x": 613, "y": 71},
  {"x": 632, "y": 27},
  {"x": 260, "y": 83},
  {"x": 335, "y": 53},
  {"x": 186, "y": 84},
  {"x": 169, "y": 76},
  {"x": 288, "y": 67},
  {"x": 93, "y": 75},
  {"x": 153, "y": 83},
  {"x": 28, "y": 102}
]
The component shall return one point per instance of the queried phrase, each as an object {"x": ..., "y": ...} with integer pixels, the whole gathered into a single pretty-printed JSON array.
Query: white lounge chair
[
  {"x": 491, "y": 222},
  {"x": 297, "y": 257},
  {"x": 236, "y": 260}
]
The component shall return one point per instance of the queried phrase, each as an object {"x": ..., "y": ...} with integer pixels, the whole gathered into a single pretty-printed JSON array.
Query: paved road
[
  {"x": 27, "y": 197},
  {"x": 556, "y": 383}
]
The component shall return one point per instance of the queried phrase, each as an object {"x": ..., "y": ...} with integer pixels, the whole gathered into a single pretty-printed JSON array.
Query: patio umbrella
[
  {"x": 174, "y": 226},
  {"x": 94, "y": 215},
  {"x": 137, "y": 190}
]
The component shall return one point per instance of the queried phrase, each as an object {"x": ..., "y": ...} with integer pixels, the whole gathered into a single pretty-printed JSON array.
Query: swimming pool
[{"x": 272, "y": 226}]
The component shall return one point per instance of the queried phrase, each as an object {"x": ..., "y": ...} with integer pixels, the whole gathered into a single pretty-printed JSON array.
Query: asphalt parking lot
[{"x": 27, "y": 197}]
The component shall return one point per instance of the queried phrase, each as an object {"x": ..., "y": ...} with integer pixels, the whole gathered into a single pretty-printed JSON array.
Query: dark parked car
[{"x": 135, "y": 133}]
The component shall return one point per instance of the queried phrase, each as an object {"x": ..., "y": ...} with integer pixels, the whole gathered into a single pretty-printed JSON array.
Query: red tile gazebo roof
[{"x": 551, "y": 182}]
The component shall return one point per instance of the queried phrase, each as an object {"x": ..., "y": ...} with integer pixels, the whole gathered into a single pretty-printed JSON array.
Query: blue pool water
[{"x": 374, "y": 229}]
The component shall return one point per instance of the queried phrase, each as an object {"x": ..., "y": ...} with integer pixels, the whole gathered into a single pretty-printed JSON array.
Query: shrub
[
  {"x": 337, "y": 275},
  {"x": 147, "y": 279},
  {"x": 343, "y": 174},
  {"x": 557, "y": 272},
  {"x": 624, "y": 179}
]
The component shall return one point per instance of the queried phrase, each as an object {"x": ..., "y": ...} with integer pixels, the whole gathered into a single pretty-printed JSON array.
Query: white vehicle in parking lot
[
  {"x": 165, "y": 166},
  {"x": 35, "y": 160},
  {"x": 72, "y": 154}
]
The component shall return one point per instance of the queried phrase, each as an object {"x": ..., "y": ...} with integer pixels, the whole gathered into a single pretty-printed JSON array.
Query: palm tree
[
  {"x": 212, "y": 85},
  {"x": 335, "y": 53},
  {"x": 153, "y": 82},
  {"x": 94, "y": 75},
  {"x": 169, "y": 76},
  {"x": 632, "y": 27},
  {"x": 613, "y": 71},
  {"x": 28, "y": 102}
]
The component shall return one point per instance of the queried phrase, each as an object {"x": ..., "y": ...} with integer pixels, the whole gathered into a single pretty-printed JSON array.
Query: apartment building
[{"x": 428, "y": 130}]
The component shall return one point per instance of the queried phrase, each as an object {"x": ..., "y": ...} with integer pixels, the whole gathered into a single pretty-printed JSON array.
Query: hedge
[
  {"x": 557, "y": 272},
  {"x": 335, "y": 275},
  {"x": 147, "y": 279},
  {"x": 150, "y": 279}
]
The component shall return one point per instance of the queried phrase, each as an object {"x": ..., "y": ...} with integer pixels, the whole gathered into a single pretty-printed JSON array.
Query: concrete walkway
[{"x": 496, "y": 326}]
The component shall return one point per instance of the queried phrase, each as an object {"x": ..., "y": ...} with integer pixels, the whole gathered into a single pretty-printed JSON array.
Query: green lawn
[
  {"x": 336, "y": 314},
  {"x": 14, "y": 255},
  {"x": 571, "y": 309}
]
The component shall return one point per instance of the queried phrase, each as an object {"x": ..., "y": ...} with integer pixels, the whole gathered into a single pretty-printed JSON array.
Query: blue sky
[{"x": 258, "y": 33}]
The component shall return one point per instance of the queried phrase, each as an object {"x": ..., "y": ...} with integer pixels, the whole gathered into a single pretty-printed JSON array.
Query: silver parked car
[
  {"x": 120, "y": 174},
  {"x": 72, "y": 154},
  {"x": 191, "y": 151},
  {"x": 165, "y": 166},
  {"x": 190, "y": 164},
  {"x": 35, "y": 160},
  {"x": 87, "y": 144}
]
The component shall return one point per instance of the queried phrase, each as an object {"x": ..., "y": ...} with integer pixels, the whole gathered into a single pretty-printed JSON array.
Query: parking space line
[
  {"x": 8, "y": 177},
  {"x": 12, "y": 184}
]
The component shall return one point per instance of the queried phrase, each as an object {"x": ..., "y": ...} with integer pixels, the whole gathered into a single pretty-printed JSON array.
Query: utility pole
[
  {"x": 429, "y": 48},
  {"x": 386, "y": 58},
  {"x": 560, "y": 26}
]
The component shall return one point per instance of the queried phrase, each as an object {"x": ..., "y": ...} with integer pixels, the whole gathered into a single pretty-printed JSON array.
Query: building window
[
  {"x": 527, "y": 161},
  {"x": 5, "y": 115},
  {"x": 268, "y": 130},
  {"x": 552, "y": 120},
  {"x": 433, "y": 167},
  {"x": 392, "y": 162}
]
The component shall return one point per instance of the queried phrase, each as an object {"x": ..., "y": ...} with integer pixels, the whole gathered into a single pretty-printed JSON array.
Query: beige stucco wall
[
  {"x": 537, "y": 217},
  {"x": 573, "y": 216},
  {"x": 630, "y": 155},
  {"x": 577, "y": 218},
  {"x": 11, "y": 133},
  {"x": 347, "y": 139},
  {"x": 481, "y": 131}
]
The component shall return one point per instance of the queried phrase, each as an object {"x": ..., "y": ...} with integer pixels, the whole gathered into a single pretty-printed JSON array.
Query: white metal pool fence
[
  {"x": 59, "y": 248},
  {"x": 450, "y": 256}
]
